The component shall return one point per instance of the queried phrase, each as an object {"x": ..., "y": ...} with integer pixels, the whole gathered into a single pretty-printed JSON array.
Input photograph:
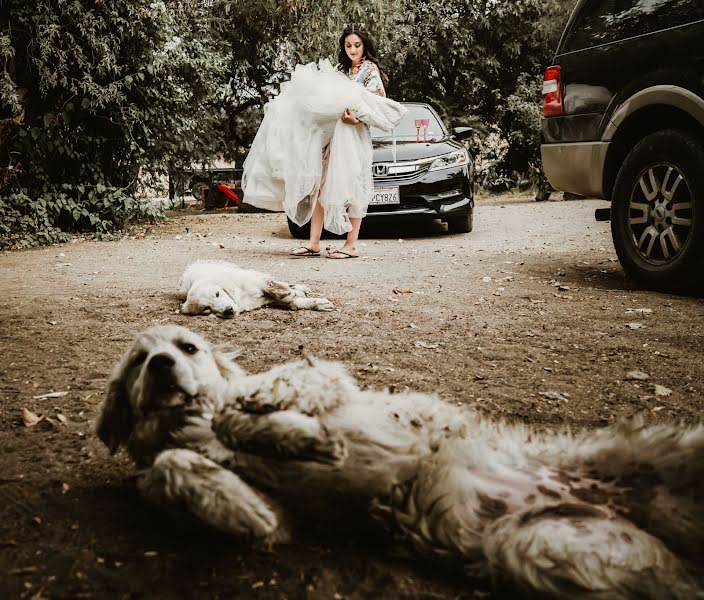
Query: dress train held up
[{"x": 284, "y": 168}]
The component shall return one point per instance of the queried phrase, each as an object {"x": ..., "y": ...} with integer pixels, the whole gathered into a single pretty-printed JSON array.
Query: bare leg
[
  {"x": 316, "y": 229},
  {"x": 350, "y": 245},
  {"x": 316, "y": 224}
]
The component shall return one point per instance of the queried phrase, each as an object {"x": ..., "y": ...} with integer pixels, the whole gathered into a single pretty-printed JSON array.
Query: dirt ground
[{"x": 529, "y": 317}]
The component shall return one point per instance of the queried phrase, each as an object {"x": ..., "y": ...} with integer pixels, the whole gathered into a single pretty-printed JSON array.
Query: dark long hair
[{"x": 370, "y": 52}]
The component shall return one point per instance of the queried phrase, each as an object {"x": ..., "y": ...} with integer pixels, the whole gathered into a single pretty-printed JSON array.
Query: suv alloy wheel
[{"x": 657, "y": 219}]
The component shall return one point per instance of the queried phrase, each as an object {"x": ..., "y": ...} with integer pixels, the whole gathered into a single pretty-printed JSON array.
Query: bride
[{"x": 312, "y": 155}]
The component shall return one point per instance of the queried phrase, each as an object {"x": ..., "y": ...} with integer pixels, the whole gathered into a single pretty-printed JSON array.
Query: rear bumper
[{"x": 576, "y": 167}]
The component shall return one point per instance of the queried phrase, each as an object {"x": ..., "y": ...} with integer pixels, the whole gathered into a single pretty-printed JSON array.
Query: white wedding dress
[{"x": 285, "y": 168}]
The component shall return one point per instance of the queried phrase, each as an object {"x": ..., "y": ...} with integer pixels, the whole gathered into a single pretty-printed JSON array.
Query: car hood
[{"x": 411, "y": 150}]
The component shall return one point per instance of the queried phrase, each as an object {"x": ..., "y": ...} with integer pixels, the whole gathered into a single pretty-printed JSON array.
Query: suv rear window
[{"x": 606, "y": 21}]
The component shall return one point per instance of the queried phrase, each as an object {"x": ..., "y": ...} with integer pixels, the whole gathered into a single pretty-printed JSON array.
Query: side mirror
[{"x": 462, "y": 133}]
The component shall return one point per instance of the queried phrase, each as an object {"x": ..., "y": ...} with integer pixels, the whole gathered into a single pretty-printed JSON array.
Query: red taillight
[{"x": 552, "y": 93}]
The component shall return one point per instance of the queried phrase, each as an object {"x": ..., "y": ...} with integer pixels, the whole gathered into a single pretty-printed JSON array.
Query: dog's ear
[
  {"x": 115, "y": 421},
  {"x": 189, "y": 308},
  {"x": 225, "y": 361}
]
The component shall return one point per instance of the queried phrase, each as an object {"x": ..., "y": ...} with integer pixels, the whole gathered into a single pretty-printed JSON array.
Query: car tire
[
  {"x": 461, "y": 224},
  {"x": 300, "y": 232},
  {"x": 199, "y": 189},
  {"x": 657, "y": 211}
]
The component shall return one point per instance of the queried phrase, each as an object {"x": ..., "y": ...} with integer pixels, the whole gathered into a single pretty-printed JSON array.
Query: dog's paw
[
  {"x": 323, "y": 304},
  {"x": 300, "y": 289},
  {"x": 184, "y": 479}
]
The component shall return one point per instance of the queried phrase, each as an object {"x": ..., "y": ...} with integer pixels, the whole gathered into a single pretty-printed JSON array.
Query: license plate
[{"x": 385, "y": 196}]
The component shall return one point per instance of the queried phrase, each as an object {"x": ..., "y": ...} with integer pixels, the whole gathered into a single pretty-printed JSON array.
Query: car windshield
[{"x": 417, "y": 123}]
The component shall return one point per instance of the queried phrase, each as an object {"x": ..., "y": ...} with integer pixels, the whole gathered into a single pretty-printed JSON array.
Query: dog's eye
[
  {"x": 138, "y": 358},
  {"x": 217, "y": 294},
  {"x": 188, "y": 348}
]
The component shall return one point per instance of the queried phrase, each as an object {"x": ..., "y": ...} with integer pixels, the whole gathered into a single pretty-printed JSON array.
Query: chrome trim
[
  {"x": 455, "y": 205},
  {"x": 447, "y": 194},
  {"x": 405, "y": 211},
  {"x": 422, "y": 161}
]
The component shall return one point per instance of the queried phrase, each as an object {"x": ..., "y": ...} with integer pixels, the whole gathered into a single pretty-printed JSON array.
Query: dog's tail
[
  {"x": 658, "y": 472},
  {"x": 580, "y": 552}
]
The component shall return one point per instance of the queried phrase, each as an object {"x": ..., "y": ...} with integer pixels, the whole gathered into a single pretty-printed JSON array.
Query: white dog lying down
[
  {"x": 224, "y": 289},
  {"x": 612, "y": 513}
]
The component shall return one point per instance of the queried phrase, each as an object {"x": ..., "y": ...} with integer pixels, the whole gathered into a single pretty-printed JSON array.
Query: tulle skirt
[{"x": 284, "y": 169}]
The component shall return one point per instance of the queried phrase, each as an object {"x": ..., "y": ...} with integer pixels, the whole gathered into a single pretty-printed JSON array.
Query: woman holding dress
[{"x": 357, "y": 60}]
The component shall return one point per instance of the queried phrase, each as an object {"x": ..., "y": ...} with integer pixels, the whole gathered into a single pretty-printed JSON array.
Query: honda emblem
[{"x": 381, "y": 170}]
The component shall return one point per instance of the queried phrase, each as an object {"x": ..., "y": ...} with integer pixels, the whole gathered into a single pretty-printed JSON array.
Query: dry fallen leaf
[
  {"x": 400, "y": 291},
  {"x": 661, "y": 390},
  {"x": 24, "y": 570},
  {"x": 553, "y": 395},
  {"x": 31, "y": 419},
  {"x": 422, "y": 344},
  {"x": 50, "y": 395}
]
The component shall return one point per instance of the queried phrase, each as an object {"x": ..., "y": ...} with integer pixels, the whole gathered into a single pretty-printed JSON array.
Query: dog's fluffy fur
[
  {"x": 613, "y": 513},
  {"x": 224, "y": 289}
]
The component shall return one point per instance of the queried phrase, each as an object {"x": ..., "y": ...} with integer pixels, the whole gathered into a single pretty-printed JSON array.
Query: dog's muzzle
[
  {"x": 161, "y": 364},
  {"x": 162, "y": 384}
]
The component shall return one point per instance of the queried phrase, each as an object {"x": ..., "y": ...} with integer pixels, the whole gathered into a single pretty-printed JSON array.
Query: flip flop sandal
[
  {"x": 345, "y": 255},
  {"x": 307, "y": 254}
]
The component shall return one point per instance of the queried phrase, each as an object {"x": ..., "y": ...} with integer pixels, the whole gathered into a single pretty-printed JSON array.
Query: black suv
[{"x": 624, "y": 122}]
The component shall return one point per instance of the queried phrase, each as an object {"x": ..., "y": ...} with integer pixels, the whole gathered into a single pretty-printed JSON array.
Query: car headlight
[{"x": 453, "y": 159}]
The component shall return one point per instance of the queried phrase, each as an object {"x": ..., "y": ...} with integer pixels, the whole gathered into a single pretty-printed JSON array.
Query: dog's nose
[
  {"x": 228, "y": 312},
  {"x": 161, "y": 362}
]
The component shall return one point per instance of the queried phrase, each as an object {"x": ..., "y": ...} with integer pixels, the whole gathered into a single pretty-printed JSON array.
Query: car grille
[{"x": 399, "y": 173}]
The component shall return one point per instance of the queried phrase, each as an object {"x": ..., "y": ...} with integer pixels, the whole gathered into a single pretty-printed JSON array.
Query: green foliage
[
  {"x": 95, "y": 94},
  {"x": 478, "y": 62}
]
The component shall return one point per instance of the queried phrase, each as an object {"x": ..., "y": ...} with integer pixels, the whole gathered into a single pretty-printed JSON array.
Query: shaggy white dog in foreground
[
  {"x": 225, "y": 290},
  {"x": 612, "y": 513}
]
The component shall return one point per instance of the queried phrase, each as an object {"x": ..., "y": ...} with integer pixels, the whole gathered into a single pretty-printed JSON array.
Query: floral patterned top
[{"x": 368, "y": 75}]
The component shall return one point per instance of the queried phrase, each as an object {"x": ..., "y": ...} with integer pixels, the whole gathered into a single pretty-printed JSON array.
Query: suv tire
[
  {"x": 657, "y": 217},
  {"x": 461, "y": 224}
]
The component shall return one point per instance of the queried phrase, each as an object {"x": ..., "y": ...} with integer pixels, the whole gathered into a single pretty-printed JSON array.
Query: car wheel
[
  {"x": 199, "y": 189},
  {"x": 461, "y": 224},
  {"x": 657, "y": 219},
  {"x": 300, "y": 232}
]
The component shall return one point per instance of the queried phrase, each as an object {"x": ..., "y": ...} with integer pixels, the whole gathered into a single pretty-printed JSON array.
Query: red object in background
[
  {"x": 553, "y": 94},
  {"x": 230, "y": 195}
]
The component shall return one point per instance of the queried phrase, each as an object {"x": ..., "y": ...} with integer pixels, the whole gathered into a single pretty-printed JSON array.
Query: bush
[{"x": 94, "y": 93}]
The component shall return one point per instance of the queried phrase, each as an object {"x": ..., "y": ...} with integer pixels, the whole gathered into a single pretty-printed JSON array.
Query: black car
[
  {"x": 420, "y": 170},
  {"x": 624, "y": 122}
]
